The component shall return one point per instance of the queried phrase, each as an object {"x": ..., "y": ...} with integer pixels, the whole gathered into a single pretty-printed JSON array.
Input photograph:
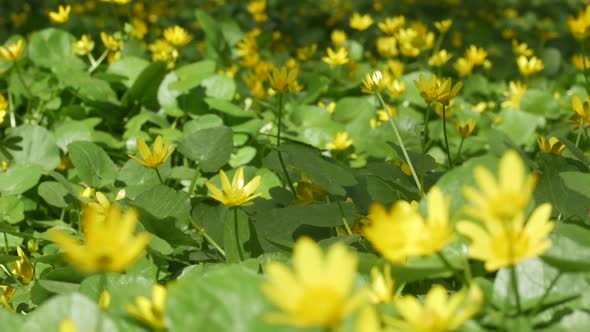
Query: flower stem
[
  {"x": 448, "y": 265},
  {"x": 5, "y": 242},
  {"x": 580, "y": 131},
  {"x": 459, "y": 150},
  {"x": 159, "y": 175},
  {"x": 280, "y": 119},
  {"x": 194, "y": 181},
  {"x": 424, "y": 146},
  {"x": 401, "y": 143},
  {"x": 344, "y": 221},
  {"x": 102, "y": 283},
  {"x": 19, "y": 74},
  {"x": 99, "y": 61},
  {"x": 238, "y": 245},
  {"x": 446, "y": 138},
  {"x": 209, "y": 240},
  {"x": 514, "y": 282}
]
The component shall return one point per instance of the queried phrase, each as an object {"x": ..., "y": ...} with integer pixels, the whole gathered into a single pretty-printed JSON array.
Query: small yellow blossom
[
  {"x": 476, "y": 55},
  {"x": 440, "y": 58},
  {"x": 439, "y": 312},
  {"x": 12, "y": 51},
  {"x": 581, "y": 114},
  {"x": 151, "y": 312},
  {"x": 138, "y": 28},
  {"x": 360, "y": 22},
  {"x": 22, "y": 268},
  {"x": 551, "y": 145},
  {"x": 501, "y": 198},
  {"x": 529, "y": 66},
  {"x": 338, "y": 37},
  {"x": 465, "y": 129},
  {"x": 84, "y": 46},
  {"x": 62, "y": 15},
  {"x": 330, "y": 107},
  {"x": 340, "y": 142},
  {"x": 436, "y": 89},
  {"x": 336, "y": 58},
  {"x": 284, "y": 80},
  {"x": 373, "y": 82},
  {"x": 578, "y": 61},
  {"x": 503, "y": 244},
  {"x": 521, "y": 49},
  {"x": 177, "y": 36},
  {"x": 514, "y": 95},
  {"x": 391, "y": 25},
  {"x": 580, "y": 26},
  {"x": 381, "y": 288},
  {"x": 67, "y": 325},
  {"x": 317, "y": 292},
  {"x": 396, "y": 88},
  {"x": 463, "y": 67},
  {"x": 163, "y": 51},
  {"x": 110, "y": 41},
  {"x": 234, "y": 193},
  {"x": 3, "y": 107},
  {"x": 387, "y": 46},
  {"x": 258, "y": 10},
  {"x": 155, "y": 158},
  {"x": 7, "y": 294},
  {"x": 436, "y": 232},
  {"x": 444, "y": 25},
  {"x": 307, "y": 52},
  {"x": 109, "y": 246}
]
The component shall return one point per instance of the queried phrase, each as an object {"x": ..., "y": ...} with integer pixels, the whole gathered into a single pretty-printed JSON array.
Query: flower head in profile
[
  {"x": 381, "y": 288},
  {"x": 504, "y": 197},
  {"x": 476, "y": 55},
  {"x": 529, "y": 66},
  {"x": 444, "y": 25},
  {"x": 7, "y": 294},
  {"x": 503, "y": 244},
  {"x": 155, "y": 157},
  {"x": 466, "y": 128},
  {"x": 373, "y": 82},
  {"x": 177, "y": 36},
  {"x": 340, "y": 142},
  {"x": 235, "y": 193},
  {"x": 436, "y": 232},
  {"x": 514, "y": 94},
  {"x": 438, "y": 313},
  {"x": 12, "y": 51},
  {"x": 284, "y": 80},
  {"x": 317, "y": 291},
  {"x": 436, "y": 89},
  {"x": 151, "y": 312},
  {"x": 360, "y": 22},
  {"x": 391, "y": 25},
  {"x": 551, "y": 145},
  {"x": 338, "y": 37},
  {"x": 22, "y": 268},
  {"x": 336, "y": 58},
  {"x": 163, "y": 51},
  {"x": 110, "y": 244},
  {"x": 111, "y": 42},
  {"x": 521, "y": 49},
  {"x": 62, "y": 15},
  {"x": 580, "y": 26},
  {"x": 84, "y": 46},
  {"x": 581, "y": 112},
  {"x": 440, "y": 58}
]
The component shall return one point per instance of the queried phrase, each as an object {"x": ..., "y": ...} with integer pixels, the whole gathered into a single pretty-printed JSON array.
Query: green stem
[
  {"x": 580, "y": 131},
  {"x": 99, "y": 61},
  {"x": 194, "y": 181},
  {"x": 547, "y": 291},
  {"x": 448, "y": 265},
  {"x": 344, "y": 221},
  {"x": 279, "y": 125},
  {"x": 401, "y": 142},
  {"x": 446, "y": 138},
  {"x": 467, "y": 270},
  {"x": 210, "y": 240},
  {"x": 102, "y": 283},
  {"x": 514, "y": 282},
  {"x": 12, "y": 110},
  {"x": 238, "y": 245},
  {"x": 400, "y": 289},
  {"x": 159, "y": 175},
  {"x": 424, "y": 146},
  {"x": 459, "y": 150},
  {"x": 5, "y": 243}
]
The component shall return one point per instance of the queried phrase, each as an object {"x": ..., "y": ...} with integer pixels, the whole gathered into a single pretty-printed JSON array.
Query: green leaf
[
  {"x": 11, "y": 209},
  {"x": 239, "y": 237},
  {"x": 229, "y": 108},
  {"x": 551, "y": 59},
  {"x": 220, "y": 87},
  {"x": 540, "y": 102},
  {"x": 54, "y": 193},
  {"x": 145, "y": 88},
  {"x": 92, "y": 163},
  {"x": 38, "y": 147},
  {"x": 520, "y": 126},
  {"x": 11, "y": 321},
  {"x": 213, "y": 36},
  {"x": 211, "y": 148},
  {"x": 52, "y": 48},
  {"x": 129, "y": 67},
  {"x": 242, "y": 157},
  {"x": 569, "y": 251},
  {"x": 190, "y": 76},
  {"x": 71, "y": 131},
  {"x": 19, "y": 178}
]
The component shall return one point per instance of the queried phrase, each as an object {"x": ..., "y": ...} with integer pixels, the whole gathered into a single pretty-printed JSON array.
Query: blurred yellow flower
[
  {"x": 104, "y": 300},
  {"x": 381, "y": 289},
  {"x": 84, "y": 45},
  {"x": 436, "y": 89},
  {"x": 529, "y": 66},
  {"x": 139, "y": 28},
  {"x": 339, "y": 57},
  {"x": 502, "y": 198},
  {"x": 22, "y": 268},
  {"x": 151, "y": 312},
  {"x": 67, "y": 325},
  {"x": 521, "y": 49},
  {"x": 234, "y": 193},
  {"x": 465, "y": 128},
  {"x": 444, "y": 25},
  {"x": 177, "y": 36},
  {"x": 436, "y": 232},
  {"x": 155, "y": 158},
  {"x": 396, "y": 88},
  {"x": 258, "y": 10},
  {"x": 581, "y": 114},
  {"x": 580, "y": 26},
  {"x": 7, "y": 294},
  {"x": 109, "y": 246},
  {"x": 284, "y": 80},
  {"x": 12, "y": 51},
  {"x": 163, "y": 51},
  {"x": 62, "y": 15},
  {"x": 307, "y": 52},
  {"x": 463, "y": 67},
  {"x": 391, "y": 25},
  {"x": 340, "y": 142},
  {"x": 387, "y": 46},
  {"x": 514, "y": 95},
  {"x": 3, "y": 107},
  {"x": 501, "y": 243},
  {"x": 438, "y": 313},
  {"x": 476, "y": 55},
  {"x": 373, "y": 82},
  {"x": 338, "y": 37},
  {"x": 440, "y": 58},
  {"x": 551, "y": 145},
  {"x": 317, "y": 291},
  {"x": 360, "y": 22},
  {"x": 578, "y": 61},
  {"x": 110, "y": 41}
]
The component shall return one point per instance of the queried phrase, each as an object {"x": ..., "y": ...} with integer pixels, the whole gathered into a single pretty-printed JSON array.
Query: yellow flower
[
  {"x": 580, "y": 26},
  {"x": 396, "y": 88},
  {"x": 373, "y": 82},
  {"x": 234, "y": 193},
  {"x": 307, "y": 52},
  {"x": 317, "y": 291},
  {"x": 581, "y": 112},
  {"x": 578, "y": 61},
  {"x": 387, "y": 46},
  {"x": 476, "y": 56},
  {"x": 338, "y": 37},
  {"x": 330, "y": 107},
  {"x": 529, "y": 66},
  {"x": 502, "y": 244},
  {"x": 139, "y": 28},
  {"x": 177, "y": 36},
  {"x": 339, "y": 57},
  {"x": 381, "y": 288},
  {"x": 391, "y": 25},
  {"x": 13, "y": 51},
  {"x": 67, "y": 325},
  {"x": 163, "y": 51},
  {"x": 283, "y": 80},
  {"x": 104, "y": 300},
  {"x": 444, "y": 25},
  {"x": 393, "y": 233},
  {"x": 84, "y": 46},
  {"x": 3, "y": 107},
  {"x": 501, "y": 198},
  {"x": 514, "y": 95},
  {"x": 521, "y": 49},
  {"x": 62, "y": 15},
  {"x": 258, "y": 10},
  {"x": 552, "y": 145},
  {"x": 436, "y": 89},
  {"x": 463, "y": 67},
  {"x": 439, "y": 312},
  {"x": 7, "y": 293},
  {"x": 154, "y": 158},
  {"x": 359, "y": 22},
  {"x": 110, "y": 245},
  {"x": 150, "y": 312},
  {"x": 22, "y": 268},
  {"x": 110, "y": 41},
  {"x": 440, "y": 58},
  {"x": 465, "y": 129},
  {"x": 340, "y": 142},
  {"x": 368, "y": 320},
  {"x": 436, "y": 232}
]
